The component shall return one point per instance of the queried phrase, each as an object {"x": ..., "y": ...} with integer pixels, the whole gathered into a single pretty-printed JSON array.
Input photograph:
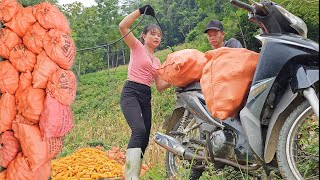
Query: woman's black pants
[{"x": 136, "y": 107}]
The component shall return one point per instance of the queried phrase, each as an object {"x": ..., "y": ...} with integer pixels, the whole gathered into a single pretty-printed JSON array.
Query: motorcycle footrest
[{"x": 176, "y": 133}]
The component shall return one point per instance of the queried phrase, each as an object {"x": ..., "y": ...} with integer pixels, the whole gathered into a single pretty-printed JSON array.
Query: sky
[{"x": 86, "y": 3}]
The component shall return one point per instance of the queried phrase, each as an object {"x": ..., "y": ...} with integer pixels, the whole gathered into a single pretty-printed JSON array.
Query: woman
[{"x": 136, "y": 94}]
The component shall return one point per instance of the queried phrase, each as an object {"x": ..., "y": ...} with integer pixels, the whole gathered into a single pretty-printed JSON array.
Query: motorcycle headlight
[{"x": 296, "y": 23}]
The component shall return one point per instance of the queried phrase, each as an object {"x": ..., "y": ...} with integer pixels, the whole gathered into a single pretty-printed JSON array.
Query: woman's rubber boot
[{"x": 133, "y": 164}]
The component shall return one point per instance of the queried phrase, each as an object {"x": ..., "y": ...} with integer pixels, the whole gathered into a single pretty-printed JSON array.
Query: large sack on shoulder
[
  {"x": 44, "y": 68},
  {"x": 21, "y": 22},
  {"x": 50, "y": 17},
  {"x": 22, "y": 59},
  {"x": 56, "y": 119},
  {"x": 226, "y": 80},
  {"x": 8, "y": 40},
  {"x": 33, "y": 39},
  {"x": 183, "y": 67},
  {"x": 9, "y": 78},
  {"x": 34, "y": 148},
  {"x": 32, "y": 101},
  {"x": 7, "y": 111},
  {"x": 60, "y": 48},
  {"x": 10, "y": 147},
  {"x": 8, "y": 9},
  {"x": 19, "y": 169},
  {"x": 62, "y": 85}
]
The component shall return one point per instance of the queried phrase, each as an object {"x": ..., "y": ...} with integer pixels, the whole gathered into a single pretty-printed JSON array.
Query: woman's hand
[
  {"x": 147, "y": 10},
  {"x": 161, "y": 84}
]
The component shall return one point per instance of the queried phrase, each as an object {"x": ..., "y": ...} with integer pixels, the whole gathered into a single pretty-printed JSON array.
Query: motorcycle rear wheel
[
  {"x": 177, "y": 168},
  {"x": 298, "y": 145}
]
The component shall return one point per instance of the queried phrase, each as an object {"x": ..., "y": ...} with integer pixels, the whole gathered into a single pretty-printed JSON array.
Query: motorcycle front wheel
[{"x": 298, "y": 145}]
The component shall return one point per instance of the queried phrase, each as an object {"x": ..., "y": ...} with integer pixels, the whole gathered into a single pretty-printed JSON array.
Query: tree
[{"x": 33, "y": 2}]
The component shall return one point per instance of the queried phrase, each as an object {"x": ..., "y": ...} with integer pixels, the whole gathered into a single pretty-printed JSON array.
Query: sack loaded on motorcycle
[
  {"x": 183, "y": 67},
  {"x": 226, "y": 80}
]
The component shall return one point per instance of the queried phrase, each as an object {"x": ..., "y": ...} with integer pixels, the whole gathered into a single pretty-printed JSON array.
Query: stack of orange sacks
[{"x": 37, "y": 88}]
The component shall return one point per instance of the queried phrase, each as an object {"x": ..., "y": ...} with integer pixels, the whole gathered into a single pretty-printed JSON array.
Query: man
[{"x": 215, "y": 35}]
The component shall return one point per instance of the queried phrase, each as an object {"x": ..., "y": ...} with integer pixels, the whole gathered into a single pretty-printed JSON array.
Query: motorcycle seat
[{"x": 194, "y": 86}]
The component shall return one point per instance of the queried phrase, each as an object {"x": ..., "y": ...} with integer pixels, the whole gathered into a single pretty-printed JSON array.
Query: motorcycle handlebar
[{"x": 242, "y": 5}]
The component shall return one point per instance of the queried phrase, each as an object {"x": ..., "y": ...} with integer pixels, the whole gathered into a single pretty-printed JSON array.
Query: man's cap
[{"x": 214, "y": 24}]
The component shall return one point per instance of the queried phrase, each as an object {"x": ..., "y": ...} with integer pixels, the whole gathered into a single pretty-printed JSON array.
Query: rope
[{"x": 107, "y": 45}]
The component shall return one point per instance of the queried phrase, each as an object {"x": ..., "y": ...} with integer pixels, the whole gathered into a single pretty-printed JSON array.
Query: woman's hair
[{"x": 148, "y": 28}]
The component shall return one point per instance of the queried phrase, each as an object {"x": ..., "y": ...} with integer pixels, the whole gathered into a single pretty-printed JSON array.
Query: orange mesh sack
[
  {"x": 25, "y": 81},
  {"x": 60, "y": 48},
  {"x": 22, "y": 59},
  {"x": 34, "y": 148},
  {"x": 56, "y": 119},
  {"x": 183, "y": 67},
  {"x": 10, "y": 147},
  {"x": 8, "y": 40},
  {"x": 42, "y": 70},
  {"x": 62, "y": 86},
  {"x": 3, "y": 175},
  {"x": 9, "y": 78},
  {"x": 33, "y": 39},
  {"x": 226, "y": 79},
  {"x": 8, "y": 8},
  {"x": 7, "y": 111},
  {"x": 19, "y": 169},
  {"x": 15, "y": 124},
  {"x": 50, "y": 17},
  {"x": 32, "y": 100},
  {"x": 21, "y": 22}
]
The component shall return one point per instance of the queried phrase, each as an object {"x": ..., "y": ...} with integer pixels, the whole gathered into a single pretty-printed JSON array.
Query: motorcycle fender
[
  {"x": 305, "y": 77},
  {"x": 173, "y": 119},
  {"x": 276, "y": 122}
]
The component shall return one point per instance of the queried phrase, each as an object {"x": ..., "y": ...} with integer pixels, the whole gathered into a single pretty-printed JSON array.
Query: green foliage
[
  {"x": 33, "y": 2},
  {"x": 308, "y": 11}
]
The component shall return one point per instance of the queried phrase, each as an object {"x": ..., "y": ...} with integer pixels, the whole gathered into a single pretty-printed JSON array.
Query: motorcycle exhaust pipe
[{"x": 174, "y": 146}]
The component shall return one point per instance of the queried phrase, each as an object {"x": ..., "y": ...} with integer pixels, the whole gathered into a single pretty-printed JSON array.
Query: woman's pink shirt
[{"x": 141, "y": 68}]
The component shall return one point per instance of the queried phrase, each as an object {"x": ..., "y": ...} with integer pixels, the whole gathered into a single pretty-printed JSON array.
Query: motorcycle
[{"x": 278, "y": 127}]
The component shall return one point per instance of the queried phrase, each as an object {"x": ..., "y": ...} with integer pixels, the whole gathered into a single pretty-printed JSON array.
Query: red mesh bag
[
  {"x": 56, "y": 119},
  {"x": 31, "y": 101},
  {"x": 9, "y": 78},
  {"x": 42, "y": 70},
  {"x": 226, "y": 80},
  {"x": 8, "y": 40},
  {"x": 21, "y": 22},
  {"x": 19, "y": 169},
  {"x": 60, "y": 48},
  {"x": 183, "y": 67},
  {"x": 22, "y": 59},
  {"x": 7, "y": 111},
  {"x": 10, "y": 147},
  {"x": 8, "y": 9},
  {"x": 62, "y": 86},
  {"x": 33, "y": 39},
  {"x": 34, "y": 148},
  {"x": 50, "y": 17}
]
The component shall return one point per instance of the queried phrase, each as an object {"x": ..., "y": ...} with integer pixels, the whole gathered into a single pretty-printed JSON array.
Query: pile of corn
[{"x": 86, "y": 163}]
